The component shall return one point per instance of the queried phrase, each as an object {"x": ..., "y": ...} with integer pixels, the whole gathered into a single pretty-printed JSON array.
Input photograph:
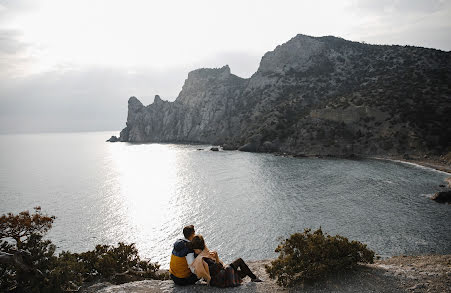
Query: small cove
[{"x": 241, "y": 202}]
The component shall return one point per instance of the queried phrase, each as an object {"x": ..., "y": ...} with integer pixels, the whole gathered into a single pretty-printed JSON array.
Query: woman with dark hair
[{"x": 209, "y": 267}]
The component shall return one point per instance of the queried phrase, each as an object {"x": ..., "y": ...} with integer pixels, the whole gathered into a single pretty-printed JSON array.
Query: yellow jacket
[{"x": 178, "y": 265}]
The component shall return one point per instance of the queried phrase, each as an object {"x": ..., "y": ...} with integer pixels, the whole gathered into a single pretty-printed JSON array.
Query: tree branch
[{"x": 14, "y": 259}]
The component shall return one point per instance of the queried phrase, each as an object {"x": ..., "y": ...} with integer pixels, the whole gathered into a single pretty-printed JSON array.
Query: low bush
[
  {"x": 309, "y": 256},
  {"x": 28, "y": 263}
]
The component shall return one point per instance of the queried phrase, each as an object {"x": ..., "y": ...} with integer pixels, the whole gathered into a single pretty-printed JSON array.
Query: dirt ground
[
  {"x": 413, "y": 274},
  {"x": 428, "y": 273}
]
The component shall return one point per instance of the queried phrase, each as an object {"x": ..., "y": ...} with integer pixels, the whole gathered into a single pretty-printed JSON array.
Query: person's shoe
[{"x": 256, "y": 280}]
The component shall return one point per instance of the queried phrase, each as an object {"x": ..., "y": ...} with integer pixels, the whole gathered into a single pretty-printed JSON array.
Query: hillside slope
[{"x": 312, "y": 95}]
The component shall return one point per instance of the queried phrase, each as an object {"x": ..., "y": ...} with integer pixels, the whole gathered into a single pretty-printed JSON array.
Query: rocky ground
[{"x": 430, "y": 273}]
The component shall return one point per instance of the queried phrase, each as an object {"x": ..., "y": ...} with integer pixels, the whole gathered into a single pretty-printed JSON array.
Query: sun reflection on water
[{"x": 151, "y": 204}]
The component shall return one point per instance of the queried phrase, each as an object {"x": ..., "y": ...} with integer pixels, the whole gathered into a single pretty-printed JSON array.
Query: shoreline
[
  {"x": 435, "y": 162},
  {"x": 429, "y": 164}
]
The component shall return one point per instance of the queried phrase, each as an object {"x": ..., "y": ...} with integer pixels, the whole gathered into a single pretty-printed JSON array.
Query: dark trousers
[
  {"x": 185, "y": 281},
  {"x": 242, "y": 269}
]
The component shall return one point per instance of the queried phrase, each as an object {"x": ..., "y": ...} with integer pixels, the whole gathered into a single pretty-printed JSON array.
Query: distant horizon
[{"x": 59, "y": 132}]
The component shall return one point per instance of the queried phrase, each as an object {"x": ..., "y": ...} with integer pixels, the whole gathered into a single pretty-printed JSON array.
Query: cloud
[
  {"x": 399, "y": 6},
  {"x": 72, "y": 65},
  {"x": 422, "y": 23},
  {"x": 14, "y": 58},
  {"x": 80, "y": 100},
  {"x": 96, "y": 98},
  {"x": 9, "y": 43},
  {"x": 18, "y": 6}
]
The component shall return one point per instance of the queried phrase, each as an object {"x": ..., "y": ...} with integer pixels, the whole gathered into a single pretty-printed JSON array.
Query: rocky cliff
[{"x": 312, "y": 95}]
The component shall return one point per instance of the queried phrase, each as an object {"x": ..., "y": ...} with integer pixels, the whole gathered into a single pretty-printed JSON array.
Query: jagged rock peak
[
  {"x": 301, "y": 37},
  {"x": 222, "y": 72},
  {"x": 296, "y": 54},
  {"x": 300, "y": 40},
  {"x": 200, "y": 81},
  {"x": 157, "y": 99},
  {"x": 134, "y": 104}
]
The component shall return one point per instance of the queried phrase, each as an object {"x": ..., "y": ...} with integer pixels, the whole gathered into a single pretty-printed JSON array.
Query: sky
[{"x": 71, "y": 65}]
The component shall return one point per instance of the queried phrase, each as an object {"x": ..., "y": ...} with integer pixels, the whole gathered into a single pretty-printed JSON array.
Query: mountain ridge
[{"x": 312, "y": 95}]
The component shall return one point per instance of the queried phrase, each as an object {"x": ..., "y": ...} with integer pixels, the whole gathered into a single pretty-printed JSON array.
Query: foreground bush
[
  {"x": 309, "y": 256},
  {"x": 29, "y": 264}
]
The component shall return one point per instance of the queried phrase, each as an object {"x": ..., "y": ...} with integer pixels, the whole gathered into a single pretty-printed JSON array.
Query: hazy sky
[{"x": 72, "y": 65}]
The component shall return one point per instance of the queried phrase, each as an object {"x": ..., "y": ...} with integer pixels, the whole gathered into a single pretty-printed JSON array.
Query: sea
[{"x": 243, "y": 204}]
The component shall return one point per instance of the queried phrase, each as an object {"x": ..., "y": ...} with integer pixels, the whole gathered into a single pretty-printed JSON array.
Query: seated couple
[{"x": 191, "y": 260}]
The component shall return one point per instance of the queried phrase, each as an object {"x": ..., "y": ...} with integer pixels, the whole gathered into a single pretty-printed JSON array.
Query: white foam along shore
[{"x": 419, "y": 165}]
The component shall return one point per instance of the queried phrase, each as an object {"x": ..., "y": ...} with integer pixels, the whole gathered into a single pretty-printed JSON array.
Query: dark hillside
[{"x": 311, "y": 95}]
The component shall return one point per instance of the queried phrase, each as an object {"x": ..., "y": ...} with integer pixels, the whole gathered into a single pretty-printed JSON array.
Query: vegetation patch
[
  {"x": 28, "y": 263},
  {"x": 309, "y": 256}
]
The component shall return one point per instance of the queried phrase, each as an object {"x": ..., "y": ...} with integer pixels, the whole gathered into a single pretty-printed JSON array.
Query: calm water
[{"x": 241, "y": 202}]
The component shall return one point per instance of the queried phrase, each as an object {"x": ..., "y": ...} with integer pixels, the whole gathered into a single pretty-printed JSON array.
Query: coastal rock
[
  {"x": 229, "y": 147},
  {"x": 268, "y": 147},
  {"x": 448, "y": 181},
  {"x": 96, "y": 287},
  {"x": 134, "y": 105},
  {"x": 113, "y": 139},
  {"x": 249, "y": 147},
  {"x": 417, "y": 287},
  {"x": 397, "y": 274},
  {"x": 215, "y": 149},
  {"x": 442, "y": 196},
  {"x": 315, "y": 95}
]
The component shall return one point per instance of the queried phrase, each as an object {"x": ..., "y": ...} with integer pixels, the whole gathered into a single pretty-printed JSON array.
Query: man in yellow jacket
[{"x": 181, "y": 258}]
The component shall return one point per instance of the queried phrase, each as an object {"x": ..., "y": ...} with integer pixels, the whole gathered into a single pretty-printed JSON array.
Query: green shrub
[
  {"x": 113, "y": 263},
  {"x": 26, "y": 257},
  {"x": 309, "y": 256},
  {"x": 28, "y": 262}
]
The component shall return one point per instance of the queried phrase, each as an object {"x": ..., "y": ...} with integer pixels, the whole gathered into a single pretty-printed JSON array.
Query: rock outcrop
[
  {"x": 312, "y": 95},
  {"x": 113, "y": 139},
  {"x": 425, "y": 273},
  {"x": 442, "y": 196}
]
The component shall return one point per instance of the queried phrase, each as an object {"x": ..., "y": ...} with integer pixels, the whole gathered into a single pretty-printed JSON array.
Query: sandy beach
[{"x": 442, "y": 163}]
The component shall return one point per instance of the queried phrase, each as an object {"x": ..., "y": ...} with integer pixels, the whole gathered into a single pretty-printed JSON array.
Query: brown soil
[{"x": 426, "y": 273}]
